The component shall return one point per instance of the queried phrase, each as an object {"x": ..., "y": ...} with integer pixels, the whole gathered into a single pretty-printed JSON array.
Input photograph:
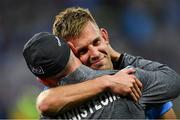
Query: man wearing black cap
[
  {"x": 41, "y": 61},
  {"x": 44, "y": 52}
]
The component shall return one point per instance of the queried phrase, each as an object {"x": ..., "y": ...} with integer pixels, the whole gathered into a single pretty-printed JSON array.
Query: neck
[
  {"x": 73, "y": 64},
  {"x": 76, "y": 63}
]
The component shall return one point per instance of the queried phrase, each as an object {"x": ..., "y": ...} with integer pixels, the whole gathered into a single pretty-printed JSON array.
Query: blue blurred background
[{"x": 148, "y": 28}]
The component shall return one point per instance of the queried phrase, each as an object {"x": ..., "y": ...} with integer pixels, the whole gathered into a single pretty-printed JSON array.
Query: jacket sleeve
[
  {"x": 160, "y": 83},
  {"x": 158, "y": 86}
]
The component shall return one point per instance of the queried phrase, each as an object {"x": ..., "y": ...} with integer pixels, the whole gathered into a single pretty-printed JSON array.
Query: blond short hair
[{"x": 70, "y": 22}]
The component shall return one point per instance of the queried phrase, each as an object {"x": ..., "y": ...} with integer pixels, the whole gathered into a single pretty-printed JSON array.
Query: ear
[
  {"x": 105, "y": 35},
  {"x": 72, "y": 47},
  {"x": 42, "y": 80}
]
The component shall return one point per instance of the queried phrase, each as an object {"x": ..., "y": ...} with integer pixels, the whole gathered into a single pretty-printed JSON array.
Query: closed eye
[
  {"x": 96, "y": 42},
  {"x": 82, "y": 51}
]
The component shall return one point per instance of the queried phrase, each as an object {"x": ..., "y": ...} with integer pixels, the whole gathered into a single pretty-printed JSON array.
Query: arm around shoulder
[
  {"x": 159, "y": 85},
  {"x": 62, "y": 98}
]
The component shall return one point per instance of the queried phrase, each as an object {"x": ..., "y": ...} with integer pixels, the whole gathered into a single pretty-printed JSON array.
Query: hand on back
[{"x": 126, "y": 83}]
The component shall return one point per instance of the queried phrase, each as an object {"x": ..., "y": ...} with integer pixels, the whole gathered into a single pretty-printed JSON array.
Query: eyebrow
[{"x": 97, "y": 38}]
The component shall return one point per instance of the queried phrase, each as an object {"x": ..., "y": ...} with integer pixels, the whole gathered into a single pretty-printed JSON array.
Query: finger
[
  {"x": 128, "y": 70},
  {"x": 139, "y": 84},
  {"x": 138, "y": 89},
  {"x": 133, "y": 97},
  {"x": 135, "y": 93}
]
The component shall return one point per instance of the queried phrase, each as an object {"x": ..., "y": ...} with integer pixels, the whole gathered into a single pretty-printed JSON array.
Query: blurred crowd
[{"x": 148, "y": 28}]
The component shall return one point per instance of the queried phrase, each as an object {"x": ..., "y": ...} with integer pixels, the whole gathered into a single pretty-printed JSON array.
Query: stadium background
[{"x": 149, "y": 28}]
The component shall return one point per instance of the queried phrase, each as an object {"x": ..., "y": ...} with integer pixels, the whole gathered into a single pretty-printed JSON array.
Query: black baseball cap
[{"x": 46, "y": 54}]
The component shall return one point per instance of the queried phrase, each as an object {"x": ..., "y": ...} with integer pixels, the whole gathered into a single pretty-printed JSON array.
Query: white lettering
[
  {"x": 83, "y": 111},
  {"x": 59, "y": 43},
  {"x": 105, "y": 101},
  {"x": 110, "y": 98},
  {"x": 90, "y": 108},
  {"x": 98, "y": 106}
]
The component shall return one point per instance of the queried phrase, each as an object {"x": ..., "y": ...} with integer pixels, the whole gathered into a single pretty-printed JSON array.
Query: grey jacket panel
[{"x": 161, "y": 83}]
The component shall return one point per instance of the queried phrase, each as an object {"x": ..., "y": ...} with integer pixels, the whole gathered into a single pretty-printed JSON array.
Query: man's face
[{"x": 92, "y": 47}]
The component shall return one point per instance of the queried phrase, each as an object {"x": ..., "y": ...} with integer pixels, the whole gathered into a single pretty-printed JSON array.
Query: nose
[{"x": 94, "y": 53}]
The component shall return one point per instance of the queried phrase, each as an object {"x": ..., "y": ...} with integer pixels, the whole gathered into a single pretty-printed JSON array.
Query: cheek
[
  {"x": 104, "y": 49},
  {"x": 84, "y": 59}
]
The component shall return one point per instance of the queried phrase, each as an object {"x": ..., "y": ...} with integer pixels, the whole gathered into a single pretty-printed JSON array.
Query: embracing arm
[
  {"x": 159, "y": 86},
  {"x": 63, "y": 98},
  {"x": 124, "y": 60},
  {"x": 52, "y": 100},
  {"x": 158, "y": 79},
  {"x": 158, "y": 90}
]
